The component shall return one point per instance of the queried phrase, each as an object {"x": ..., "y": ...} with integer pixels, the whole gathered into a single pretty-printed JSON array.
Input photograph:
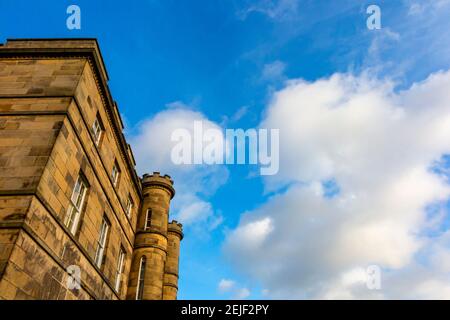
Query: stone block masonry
[{"x": 69, "y": 192}]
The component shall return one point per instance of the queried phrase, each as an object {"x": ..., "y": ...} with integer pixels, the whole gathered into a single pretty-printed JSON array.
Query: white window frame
[
  {"x": 97, "y": 130},
  {"x": 119, "y": 271},
  {"x": 147, "y": 220},
  {"x": 101, "y": 242},
  {"x": 130, "y": 205},
  {"x": 77, "y": 201},
  {"x": 141, "y": 277},
  {"x": 115, "y": 173}
]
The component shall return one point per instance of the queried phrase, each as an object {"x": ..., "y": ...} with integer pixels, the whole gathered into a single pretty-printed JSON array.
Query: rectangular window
[
  {"x": 148, "y": 219},
  {"x": 130, "y": 206},
  {"x": 141, "y": 279},
  {"x": 119, "y": 270},
  {"x": 97, "y": 130},
  {"x": 115, "y": 173},
  {"x": 76, "y": 204},
  {"x": 101, "y": 242}
]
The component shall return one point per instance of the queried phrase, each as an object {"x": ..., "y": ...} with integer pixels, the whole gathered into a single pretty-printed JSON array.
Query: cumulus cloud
[
  {"x": 227, "y": 286},
  {"x": 194, "y": 184},
  {"x": 378, "y": 146}
]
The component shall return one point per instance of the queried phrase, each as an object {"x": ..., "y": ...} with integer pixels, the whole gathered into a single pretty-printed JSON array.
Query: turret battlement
[
  {"x": 176, "y": 227},
  {"x": 156, "y": 179}
]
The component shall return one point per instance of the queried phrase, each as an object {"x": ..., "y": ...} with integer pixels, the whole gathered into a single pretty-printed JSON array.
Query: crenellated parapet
[{"x": 156, "y": 180}]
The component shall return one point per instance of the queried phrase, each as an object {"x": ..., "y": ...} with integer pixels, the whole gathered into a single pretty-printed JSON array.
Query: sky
[{"x": 364, "y": 120}]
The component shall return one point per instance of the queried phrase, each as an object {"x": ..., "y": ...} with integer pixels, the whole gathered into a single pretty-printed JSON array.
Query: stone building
[{"x": 76, "y": 222}]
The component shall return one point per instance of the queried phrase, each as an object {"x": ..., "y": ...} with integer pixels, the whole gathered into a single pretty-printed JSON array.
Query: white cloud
[
  {"x": 273, "y": 9},
  {"x": 253, "y": 234},
  {"x": 194, "y": 209},
  {"x": 378, "y": 145},
  {"x": 273, "y": 71},
  {"x": 416, "y": 7},
  {"x": 415, "y": 28},
  {"x": 152, "y": 147},
  {"x": 241, "y": 294},
  {"x": 232, "y": 288},
  {"x": 238, "y": 115},
  {"x": 226, "y": 285}
]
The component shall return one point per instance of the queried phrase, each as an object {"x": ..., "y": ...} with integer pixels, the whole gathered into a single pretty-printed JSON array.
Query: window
[
  {"x": 130, "y": 205},
  {"x": 76, "y": 204},
  {"x": 115, "y": 173},
  {"x": 119, "y": 270},
  {"x": 101, "y": 242},
  {"x": 148, "y": 219},
  {"x": 97, "y": 130},
  {"x": 140, "y": 284}
]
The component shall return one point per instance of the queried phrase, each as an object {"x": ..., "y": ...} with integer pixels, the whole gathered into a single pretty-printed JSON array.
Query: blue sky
[{"x": 226, "y": 60}]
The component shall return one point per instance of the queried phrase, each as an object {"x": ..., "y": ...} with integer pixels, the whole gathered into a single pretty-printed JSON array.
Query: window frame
[
  {"x": 141, "y": 278},
  {"x": 72, "y": 219},
  {"x": 97, "y": 134},
  {"x": 115, "y": 178},
  {"x": 119, "y": 269},
  {"x": 102, "y": 242},
  {"x": 130, "y": 206},
  {"x": 148, "y": 219}
]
